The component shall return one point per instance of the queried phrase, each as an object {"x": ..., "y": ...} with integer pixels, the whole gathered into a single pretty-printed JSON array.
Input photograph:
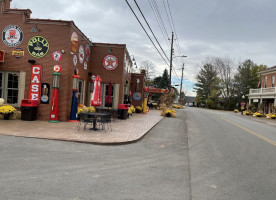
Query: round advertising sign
[
  {"x": 18, "y": 53},
  {"x": 56, "y": 56},
  {"x": 110, "y": 62},
  {"x": 87, "y": 53},
  {"x": 81, "y": 54},
  {"x": 75, "y": 60},
  {"x": 137, "y": 96},
  {"x": 57, "y": 68},
  {"x": 12, "y": 35},
  {"x": 38, "y": 46}
]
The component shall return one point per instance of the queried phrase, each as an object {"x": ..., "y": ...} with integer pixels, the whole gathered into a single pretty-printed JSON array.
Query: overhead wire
[
  {"x": 151, "y": 30},
  {"x": 159, "y": 24},
  {"x": 146, "y": 31}
]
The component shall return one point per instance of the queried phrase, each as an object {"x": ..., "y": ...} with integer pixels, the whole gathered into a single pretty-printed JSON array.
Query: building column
[
  {"x": 250, "y": 101},
  {"x": 275, "y": 102}
]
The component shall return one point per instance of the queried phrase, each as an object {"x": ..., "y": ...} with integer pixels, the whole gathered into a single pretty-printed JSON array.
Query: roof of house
[{"x": 270, "y": 69}]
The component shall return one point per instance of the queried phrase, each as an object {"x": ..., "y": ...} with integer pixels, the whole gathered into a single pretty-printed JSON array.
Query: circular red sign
[
  {"x": 110, "y": 62},
  {"x": 57, "y": 68},
  {"x": 56, "y": 56}
]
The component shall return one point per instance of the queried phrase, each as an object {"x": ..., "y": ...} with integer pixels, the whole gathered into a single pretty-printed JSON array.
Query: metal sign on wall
[
  {"x": 45, "y": 91},
  {"x": 38, "y": 46},
  {"x": 2, "y": 56},
  {"x": 12, "y": 36},
  {"x": 110, "y": 62}
]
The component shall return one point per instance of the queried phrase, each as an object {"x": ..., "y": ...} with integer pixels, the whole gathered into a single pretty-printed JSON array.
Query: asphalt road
[
  {"x": 231, "y": 156},
  {"x": 155, "y": 168},
  {"x": 200, "y": 155}
]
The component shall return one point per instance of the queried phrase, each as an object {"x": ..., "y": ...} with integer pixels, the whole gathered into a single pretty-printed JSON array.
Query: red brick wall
[
  {"x": 58, "y": 34},
  {"x": 134, "y": 78},
  {"x": 269, "y": 79}
]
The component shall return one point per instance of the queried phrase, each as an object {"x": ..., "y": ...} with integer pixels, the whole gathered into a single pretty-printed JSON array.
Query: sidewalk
[{"x": 123, "y": 131}]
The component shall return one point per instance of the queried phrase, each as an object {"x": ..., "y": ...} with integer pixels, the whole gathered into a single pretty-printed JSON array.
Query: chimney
[{"x": 5, "y": 4}]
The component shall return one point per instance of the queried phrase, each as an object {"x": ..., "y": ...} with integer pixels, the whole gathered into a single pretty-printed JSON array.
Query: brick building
[
  {"x": 266, "y": 95},
  {"x": 47, "y": 43}
]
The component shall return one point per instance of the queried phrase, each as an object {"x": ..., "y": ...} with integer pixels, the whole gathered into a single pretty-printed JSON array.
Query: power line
[
  {"x": 159, "y": 24},
  {"x": 145, "y": 31},
  {"x": 150, "y": 29}
]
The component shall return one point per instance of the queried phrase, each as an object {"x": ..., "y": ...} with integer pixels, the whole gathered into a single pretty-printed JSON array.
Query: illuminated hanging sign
[
  {"x": 110, "y": 62},
  {"x": 38, "y": 46},
  {"x": 2, "y": 56},
  {"x": 12, "y": 36},
  {"x": 35, "y": 86}
]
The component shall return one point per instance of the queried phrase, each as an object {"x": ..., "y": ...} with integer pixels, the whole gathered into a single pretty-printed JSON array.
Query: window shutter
[{"x": 21, "y": 89}]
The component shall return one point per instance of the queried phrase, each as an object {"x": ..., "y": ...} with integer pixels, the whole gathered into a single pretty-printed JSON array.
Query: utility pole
[
  {"x": 171, "y": 58},
  {"x": 181, "y": 84}
]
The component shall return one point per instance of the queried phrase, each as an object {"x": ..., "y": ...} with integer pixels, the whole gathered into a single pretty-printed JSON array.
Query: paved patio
[{"x": 123, "y": 131}]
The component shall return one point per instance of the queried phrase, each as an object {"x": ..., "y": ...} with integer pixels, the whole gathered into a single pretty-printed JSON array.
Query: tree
[
  {"x": 247, "y": 77},
  {"x": 165, "y": 80},
  {"x": 225, "y": 68},
  {"x": 207, "y": 86},
  {"x": 148, "y": 66}
]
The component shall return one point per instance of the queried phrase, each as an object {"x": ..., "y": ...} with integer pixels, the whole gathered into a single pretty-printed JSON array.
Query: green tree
[
  {"x": 207, "y": 86},
  {"x": 247, "y": 77},
  {"x": 164, "y": 81}
]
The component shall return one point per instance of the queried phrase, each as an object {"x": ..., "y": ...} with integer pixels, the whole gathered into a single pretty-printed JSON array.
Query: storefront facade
[
  {"x": 32, "y": 50},
  {"x": 266, "y": 95}
]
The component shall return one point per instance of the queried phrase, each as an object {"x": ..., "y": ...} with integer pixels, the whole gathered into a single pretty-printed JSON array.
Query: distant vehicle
[{"x": 190, "y": 104}]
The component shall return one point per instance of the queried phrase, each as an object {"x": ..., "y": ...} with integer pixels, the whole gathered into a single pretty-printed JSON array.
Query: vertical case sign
[{"x": 35, "y": 86}]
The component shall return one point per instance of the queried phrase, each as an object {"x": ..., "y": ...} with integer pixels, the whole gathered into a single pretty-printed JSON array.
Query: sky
[{"x": 236, "y": 29}]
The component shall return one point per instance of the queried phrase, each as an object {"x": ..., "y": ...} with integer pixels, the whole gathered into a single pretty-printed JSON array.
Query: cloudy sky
[{"x": 237, "y": 29}]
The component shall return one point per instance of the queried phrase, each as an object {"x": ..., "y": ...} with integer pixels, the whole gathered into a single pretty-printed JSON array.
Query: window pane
[
  {"x": 12, "y": 96},
  {"x": 12, "y": 80}
]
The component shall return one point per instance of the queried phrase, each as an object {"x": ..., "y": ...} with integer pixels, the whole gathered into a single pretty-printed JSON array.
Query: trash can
[
  {"x": 28, "y": 109},
  {"x": 122, "y": 111}
]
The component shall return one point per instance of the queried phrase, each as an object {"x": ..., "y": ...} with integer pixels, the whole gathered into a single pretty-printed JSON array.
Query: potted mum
[
  {"x": 138, "y": 109},
  {"x": 7, "y": 110}
]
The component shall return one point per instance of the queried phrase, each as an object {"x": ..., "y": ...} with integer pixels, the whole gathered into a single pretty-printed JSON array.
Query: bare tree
[
  {"x": 225, "y": 68},
  {"x": 148, "y": 66}
]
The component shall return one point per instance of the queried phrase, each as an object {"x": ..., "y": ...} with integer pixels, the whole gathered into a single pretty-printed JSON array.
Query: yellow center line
[{"x": 248, "y": 130}]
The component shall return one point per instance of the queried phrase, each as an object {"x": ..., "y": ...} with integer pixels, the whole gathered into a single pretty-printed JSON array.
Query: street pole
[
  {"x": 181, "y": 83},
  {"x": 171, "y": 58}
]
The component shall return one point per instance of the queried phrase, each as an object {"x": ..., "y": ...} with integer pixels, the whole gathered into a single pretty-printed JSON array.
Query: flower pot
[{"x": 7, "y": 116}]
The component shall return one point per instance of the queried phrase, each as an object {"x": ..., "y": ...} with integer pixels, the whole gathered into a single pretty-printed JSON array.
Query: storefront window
[
  {"x": 106, "y": 94},
  {"x": 9, "y": 86},
  {"x": 273, "y": 81}
]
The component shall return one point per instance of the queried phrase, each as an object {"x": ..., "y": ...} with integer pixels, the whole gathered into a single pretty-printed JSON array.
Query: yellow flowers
[
  {"x": 84, "y": 109},
  {"x": 6, "y": 109},
  {"x": 246, "y": 112},
  {"x": 168, "y": 113},
  {"x": 177, "y": 106},
  {"x": 138, "y": 109},
  {"x": 257, "y": 114},
  {"x": 236, "y": 110}
]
